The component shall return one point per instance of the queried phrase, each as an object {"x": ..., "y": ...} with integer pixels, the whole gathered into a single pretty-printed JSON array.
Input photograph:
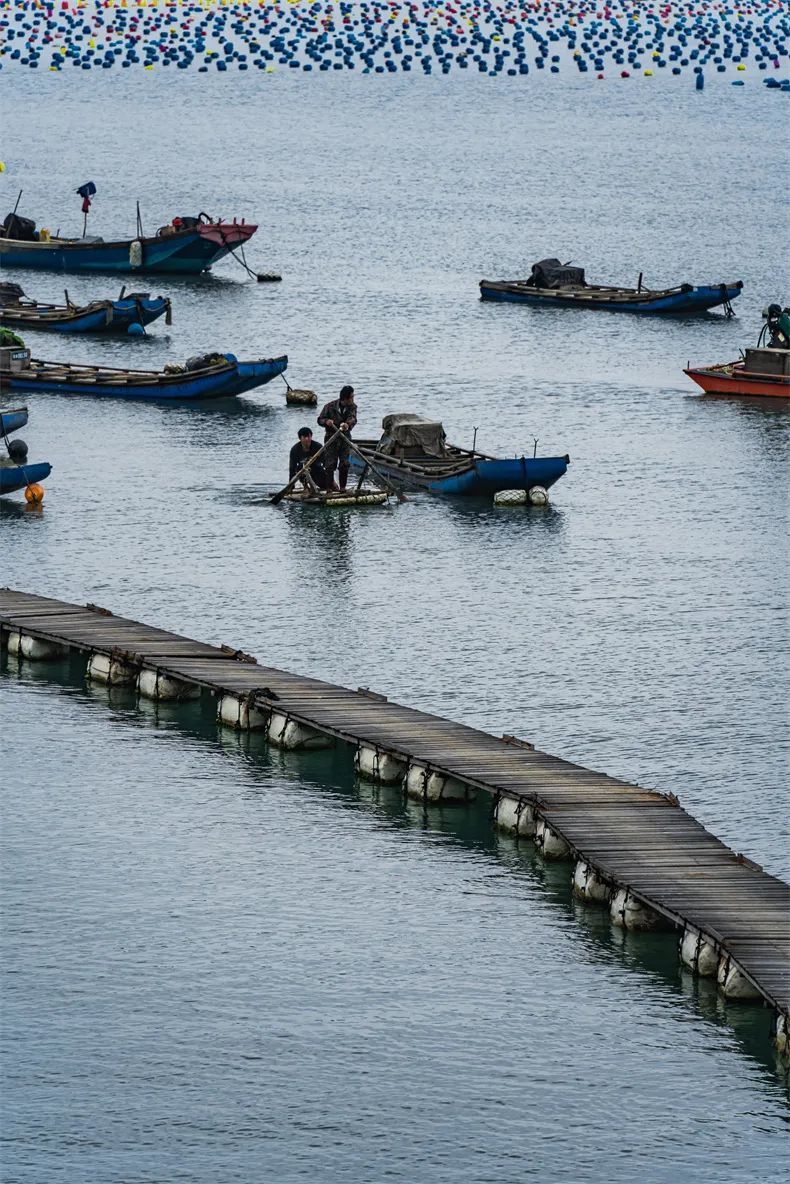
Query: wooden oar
[{"x": 278, "y": 497}]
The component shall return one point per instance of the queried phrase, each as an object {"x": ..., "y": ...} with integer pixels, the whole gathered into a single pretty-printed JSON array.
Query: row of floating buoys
[{"x": 509, "y": 37}]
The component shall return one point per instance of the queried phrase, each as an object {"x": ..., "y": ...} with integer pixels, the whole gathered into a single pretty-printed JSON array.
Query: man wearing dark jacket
[
  {"x": 303, "y": 449},
  {"x": 340, "y": 413}
]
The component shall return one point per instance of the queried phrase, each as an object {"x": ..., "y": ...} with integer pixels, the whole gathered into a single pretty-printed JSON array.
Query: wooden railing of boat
[
  {"x": 69, "y": 372},
  {"x": 458, "y": 461}
]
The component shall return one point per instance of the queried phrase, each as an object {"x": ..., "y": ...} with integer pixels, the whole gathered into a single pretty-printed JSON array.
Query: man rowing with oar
[
  {"x": 303, "y": 449},
  {"x": 340, "y": 413}
]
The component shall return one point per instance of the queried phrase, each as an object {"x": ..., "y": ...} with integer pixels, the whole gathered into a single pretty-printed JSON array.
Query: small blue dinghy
[
  {"x": 15, "y": 472},
  {"x": 209, "y": 376},
  {"x": 556, "y": 285},
  {"x": 413, "y": 452}
]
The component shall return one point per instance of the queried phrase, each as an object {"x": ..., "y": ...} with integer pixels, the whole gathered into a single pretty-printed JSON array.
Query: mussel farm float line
[{"x": 634, "y": 851}]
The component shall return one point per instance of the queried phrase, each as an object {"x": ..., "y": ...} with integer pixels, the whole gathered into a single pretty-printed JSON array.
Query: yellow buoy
[
  {"x": 648, "y": 73},
  {"x": 34, "y": 494},
  {"x": 741, "y": 66},
  {"x": 2, "y": 166}
]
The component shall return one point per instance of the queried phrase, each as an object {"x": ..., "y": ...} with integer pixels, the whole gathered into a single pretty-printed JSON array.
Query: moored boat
[
  {"x": 556, "y": 285},
  {"x": 762, "y": 372},
  {"x": 211, "y": 376},
  {"x": 15, "y": 472},
  {"x": 15, "y": 309},
  {"x": 19, "y": 311},
  {"x": 185, "y": 246},
  {"x": 413, "y": 452},
  {"x": 12, "y": 420}
]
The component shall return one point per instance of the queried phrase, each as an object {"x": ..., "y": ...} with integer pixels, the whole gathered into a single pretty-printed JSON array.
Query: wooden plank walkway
[{"x": 634, "y": 838}]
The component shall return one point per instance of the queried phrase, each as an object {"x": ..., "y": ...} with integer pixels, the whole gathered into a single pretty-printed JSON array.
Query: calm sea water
[{"x": 223, "y": 964}]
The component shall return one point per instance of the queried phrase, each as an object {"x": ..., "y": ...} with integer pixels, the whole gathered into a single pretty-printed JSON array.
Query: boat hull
[
  {"x": 734, "y": 380},
  {"x": 483, "y": 478},
  {"x": 20, "y": 476},
  {"x": 684, "y": 301},
  {"x": 12, "y": 420},
  {"x": 209, "y": 384},
  {"x": 93, "y": 318},
  {"x": 186, "y": 252}
]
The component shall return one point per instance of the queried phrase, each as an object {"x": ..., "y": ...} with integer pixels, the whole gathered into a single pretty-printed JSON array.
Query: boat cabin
[
  {"x": 408, "y": 435},
  {"x": 769, "y": 360}
]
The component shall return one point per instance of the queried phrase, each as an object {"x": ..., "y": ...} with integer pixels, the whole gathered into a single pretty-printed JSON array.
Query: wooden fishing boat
[
  {"x": 413, "y": 453},
  {"x": 556, "y": 285},
  {"x": 185, "y": 250},
  {"x": 212, "y": 377},
  {"x": 16, "y": 310},
  {"x": 762, "y": 372},
  {"x": 15, "y": 472}
]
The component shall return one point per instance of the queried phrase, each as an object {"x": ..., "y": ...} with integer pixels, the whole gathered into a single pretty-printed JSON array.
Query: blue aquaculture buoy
[
  {"x": 136, "y": 329},
  {"x": 700, "y": 81}
]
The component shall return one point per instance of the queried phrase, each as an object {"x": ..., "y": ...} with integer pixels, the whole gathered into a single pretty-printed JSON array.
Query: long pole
[
  {"x": 19, "y": 198},
  {"x": 139, "y": 222},
  {"x": 381, "y": 479}
]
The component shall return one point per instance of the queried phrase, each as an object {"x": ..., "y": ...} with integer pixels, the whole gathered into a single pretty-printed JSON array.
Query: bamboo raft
[{"x": 638, "y": 843}]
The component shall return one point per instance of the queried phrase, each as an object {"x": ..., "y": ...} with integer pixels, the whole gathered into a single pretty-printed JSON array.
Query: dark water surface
[{"x": 226, "y": 965}]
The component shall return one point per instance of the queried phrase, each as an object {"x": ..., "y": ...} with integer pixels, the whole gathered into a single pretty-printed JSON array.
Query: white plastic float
[
  {"x": 516, "y": 816},
  {"x": 549, "y": 843},
  {"x": 111, "y": 671},
  {"x": 152, "y": 684},
  {"x": 236, "y": 711},
  {"x": 285, "y": 732},
  {"x": 699, "y": 954},
  {"x": 374, "y": 765},
  {"x": 629, "y": 913},
  {"x": 425, "y": 786},
  {"x": 588, "y": 886},
  {"x": 34, "y": 648}
]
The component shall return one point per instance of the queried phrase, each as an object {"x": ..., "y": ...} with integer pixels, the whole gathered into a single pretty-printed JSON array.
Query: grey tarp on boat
[
  {"x": 406, "y": 430},
  {"x": 550, "y": 273}
]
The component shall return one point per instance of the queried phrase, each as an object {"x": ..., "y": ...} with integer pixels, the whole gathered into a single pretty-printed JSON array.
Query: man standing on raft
[{"x": 340, "y": 413}]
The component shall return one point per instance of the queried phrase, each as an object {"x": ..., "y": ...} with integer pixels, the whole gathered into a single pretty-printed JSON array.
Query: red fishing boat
[{"x": 763, "y": 372}]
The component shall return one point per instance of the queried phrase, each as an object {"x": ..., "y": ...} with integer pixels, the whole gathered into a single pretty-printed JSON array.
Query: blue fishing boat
[
  {"x": 210, "y": 376},
  {"x": 17, "y": 311},
  {"x": 556, "y": 285},
  {"x": 12, "y": 420},
  {"x": 176, "y": 249},
  {"x": 413, "y": 452},
  {"x": 15, "y": 472}
]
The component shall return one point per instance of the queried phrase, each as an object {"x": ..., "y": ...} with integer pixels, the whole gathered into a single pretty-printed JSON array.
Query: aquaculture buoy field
[
  {"x": 226, "y": 959},
  {"x": 510, "y": 38}
]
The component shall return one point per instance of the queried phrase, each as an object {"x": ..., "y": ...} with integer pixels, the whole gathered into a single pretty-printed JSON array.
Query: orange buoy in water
[{"x": 34, "y": 494}]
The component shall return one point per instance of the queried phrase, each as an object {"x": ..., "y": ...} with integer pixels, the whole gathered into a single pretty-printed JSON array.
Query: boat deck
[{"x": 632, "y": 837}]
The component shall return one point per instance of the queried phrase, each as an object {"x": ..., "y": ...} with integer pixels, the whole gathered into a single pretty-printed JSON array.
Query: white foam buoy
[
  {"x": 111, "y": 671},
  {"x": 422, "y": 785},
  {"x": 733, "y": 983},
  {"x": 699, "y": 953},
  {"x": 538, "y": 496},
  {"x": 34, "y": 648},
  {"x": 588, "y": 886},
  {"x": 374, "y": 765},
  {"x": 515, "y": 815},
  {"x": 549, "y": 843},
  {"x": 284, "y": 732},
  {"x": 510, "y": 497},
  {"x": 235, "y": 711},
  {"x": 629, "y": 913},
  {"x": 151, "y": 684}
]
